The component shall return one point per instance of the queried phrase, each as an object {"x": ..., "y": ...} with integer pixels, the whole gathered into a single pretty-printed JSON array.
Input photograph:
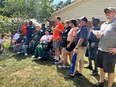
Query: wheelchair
[{"x": 46, "y": 51}]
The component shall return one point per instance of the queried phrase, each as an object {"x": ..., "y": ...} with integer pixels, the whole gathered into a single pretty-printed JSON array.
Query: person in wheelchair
[
  {"x": 13, "y": 41},
  {"x": 21, "y": 45},
  {"x": 34, "y": 42},
  {"x": 1, "y": 43},
  {"x": 44, "y": 45}
]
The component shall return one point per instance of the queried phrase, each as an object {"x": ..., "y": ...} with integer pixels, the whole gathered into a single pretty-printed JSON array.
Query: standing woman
[{"x": 70, "y": 41}]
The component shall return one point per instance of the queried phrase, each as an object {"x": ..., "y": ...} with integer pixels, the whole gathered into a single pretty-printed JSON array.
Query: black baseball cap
[{"x": 84, "y": 19}]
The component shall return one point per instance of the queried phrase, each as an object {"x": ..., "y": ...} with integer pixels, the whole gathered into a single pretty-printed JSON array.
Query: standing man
[
  {"x": 57, "y": 37},
  {"x": 30, "y": 31},
  {"x": 79, "y": 50},
  {"x": 42, "y": 30},
  {"x": 24, "y": 28},
  {"x": 107, "y": 54},
  {"x": 92, "y": 48}
]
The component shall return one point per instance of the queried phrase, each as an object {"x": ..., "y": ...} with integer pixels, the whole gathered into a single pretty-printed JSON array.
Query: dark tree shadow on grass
[
  {"x": 48, "y": 62},
  {"x": 84, "y": 82}
]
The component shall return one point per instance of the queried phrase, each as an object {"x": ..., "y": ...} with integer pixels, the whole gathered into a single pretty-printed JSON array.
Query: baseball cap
[
  {"x": 110, "y": 8},
  {"x": 96, "y": 19},
  {"x": 84, "y": 19}
]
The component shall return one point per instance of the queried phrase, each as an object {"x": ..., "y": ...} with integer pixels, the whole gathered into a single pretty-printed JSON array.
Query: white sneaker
[
  {"x": 55, "y": 57},
  {"x": 62, "y": 66},
  {"x": 38, "y": 57},
  {"x": 18, "y": 52},
  {"x": 26, "y": 54},
  {"x": 33, "y": 56}
]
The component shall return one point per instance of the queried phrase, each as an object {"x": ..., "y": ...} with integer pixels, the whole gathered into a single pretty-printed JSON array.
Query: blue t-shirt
[
  {"x": 91, "y": 37},
  {"x": 30, "y": 30},
  {"x": 82, "y": 33}
]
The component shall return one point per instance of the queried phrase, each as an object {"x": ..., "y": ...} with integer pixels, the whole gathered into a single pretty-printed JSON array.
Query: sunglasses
[{"x": 107, "y": 12}]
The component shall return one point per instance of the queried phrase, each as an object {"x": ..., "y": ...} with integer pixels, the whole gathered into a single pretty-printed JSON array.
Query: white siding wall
[{"x": 88, "y": 8}]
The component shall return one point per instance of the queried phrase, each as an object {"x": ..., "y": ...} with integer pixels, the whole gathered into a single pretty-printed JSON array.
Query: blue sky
[{"x": 56, "y": 1}]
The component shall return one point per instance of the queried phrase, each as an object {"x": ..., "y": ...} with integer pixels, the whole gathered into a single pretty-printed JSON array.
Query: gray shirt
[{"x": 108, "y": 39}]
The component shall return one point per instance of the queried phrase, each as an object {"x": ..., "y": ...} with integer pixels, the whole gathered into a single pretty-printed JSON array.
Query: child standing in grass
[{"x": 1, "y": 42}]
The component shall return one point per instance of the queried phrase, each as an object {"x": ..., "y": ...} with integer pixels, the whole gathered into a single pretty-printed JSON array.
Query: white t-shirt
[
  {"x": 46, "y": 37},
  {"x": 1, "y": 41},
  {"x": 16, "y": 36}
]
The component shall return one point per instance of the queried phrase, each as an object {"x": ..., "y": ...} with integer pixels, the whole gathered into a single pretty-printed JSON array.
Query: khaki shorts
[{"x": 81, "y": 53}]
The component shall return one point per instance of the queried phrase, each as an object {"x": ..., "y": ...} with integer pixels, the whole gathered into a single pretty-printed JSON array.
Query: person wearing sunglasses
[{"x": 106, "y": 57}]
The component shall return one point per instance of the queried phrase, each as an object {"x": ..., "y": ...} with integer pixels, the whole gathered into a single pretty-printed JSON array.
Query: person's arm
[
  {"x": 79, "y": 43},
  {"x": 83, "y": 35},
  {"x": 42, "y": 39},
  {"x": 98, "y": 34},
  {"x": 112, "y": 50}
]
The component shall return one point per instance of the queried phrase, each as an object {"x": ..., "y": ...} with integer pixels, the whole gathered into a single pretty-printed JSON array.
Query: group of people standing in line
[
  {"x": 99, "y": 45},
  {"x": 72, "y": 39}
]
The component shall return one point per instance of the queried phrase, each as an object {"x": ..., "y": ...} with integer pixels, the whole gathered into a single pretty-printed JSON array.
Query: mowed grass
[{"x": 20, "y": 71}]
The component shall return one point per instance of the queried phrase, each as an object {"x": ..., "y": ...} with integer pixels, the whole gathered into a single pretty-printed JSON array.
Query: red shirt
[
  {"x": 57, "y": 34},
  {"x": 24, "y": 29}
]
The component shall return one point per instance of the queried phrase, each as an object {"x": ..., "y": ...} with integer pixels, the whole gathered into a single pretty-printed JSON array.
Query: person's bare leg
[
  {"x": 62, "y": 55},
  {"x": 102, "y": 75},
  {"x": 80, "y": 66},
  {"x": 110, "y": 79},
  {"x": 65, "y": 58},
  {"x": 70, "y": 56}
]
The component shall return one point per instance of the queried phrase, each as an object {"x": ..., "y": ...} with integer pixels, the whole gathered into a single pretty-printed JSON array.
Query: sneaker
[
  {"x": 18, "y": 52},
  {"x": 98, "y": 85},
  {"x": 33, "y": 56},
  {"x": 62, "y": 66},
  {"x": 69, "y": 77},
  {"x": 89, "y": 67},
  {"x": 26, "y": 54},
  {"x": 94, "y": 73},
  {"x": 79, "y": 75},
  {"x": 39, "y": 57},
  {"x": 57, "y": 62}
]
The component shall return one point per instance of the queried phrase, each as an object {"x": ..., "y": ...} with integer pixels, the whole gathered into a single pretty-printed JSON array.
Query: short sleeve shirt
[
  {"x": 30, "y": 30},
  {"x": 24, "y": 29},
  {"x": 108, "y": 39},
  {"x": 57, "y": 35},
  {"x": 82, "y": 33}
]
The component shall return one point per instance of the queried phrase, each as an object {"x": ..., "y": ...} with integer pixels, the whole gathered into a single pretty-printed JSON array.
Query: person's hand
[
  {"x": 98, "y": 34},
  {"x": 112, "y": 50},
  {"x": 52, "y": 28},
  {"x": 75, "y": 50},
  {"x": 68, "y": 45}
]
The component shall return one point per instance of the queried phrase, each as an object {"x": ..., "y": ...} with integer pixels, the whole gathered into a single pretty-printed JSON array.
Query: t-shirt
[
  {"x": 30, "y": 31},
  {"x": 21, "y": 40},
  {"x": 42, "y": 31},
  {"x": 1, "y": 41},
  {"x": 24, "y": 29},
  {"x": 108, "y": 39},
  {"x": 57, "y": 35},
  {"x": 16, "y": 36},
  {"x": 91, "y": 37},
  {"x": 72, "y": 33},
  {"x": 46, "y": 37},
  {"x": 65, "y": 33},
  {"x": 82, "y": 33}
]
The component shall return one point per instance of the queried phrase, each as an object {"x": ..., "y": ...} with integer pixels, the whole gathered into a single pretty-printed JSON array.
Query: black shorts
[
  {"x": 72, "y": 46},
  {"x": 106, "y": 61},
  {"x": 64, "y": 43}
]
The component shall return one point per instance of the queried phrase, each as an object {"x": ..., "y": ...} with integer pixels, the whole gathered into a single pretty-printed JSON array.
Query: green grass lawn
[{"x": 20, "y": 71}]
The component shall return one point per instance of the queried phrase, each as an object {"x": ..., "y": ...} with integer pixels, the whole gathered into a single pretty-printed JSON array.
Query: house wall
[{"x": 88, "y": 8}]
